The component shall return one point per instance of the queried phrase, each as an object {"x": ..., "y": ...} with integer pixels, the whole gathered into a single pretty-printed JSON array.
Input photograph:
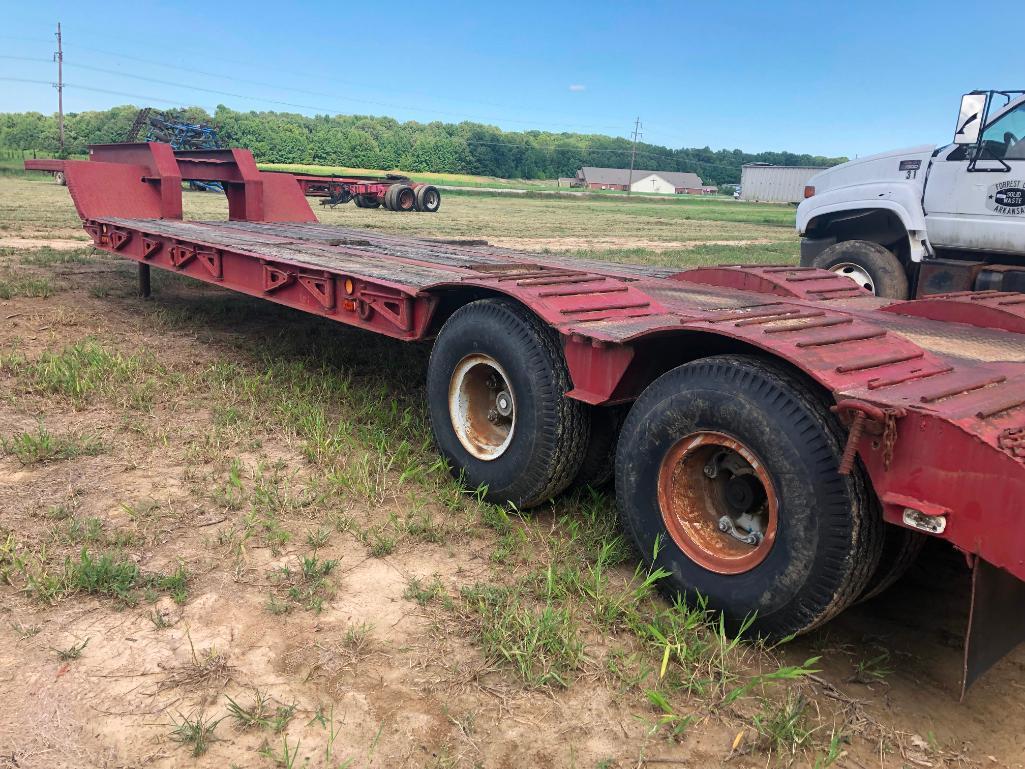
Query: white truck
[{"x": 928, "y": 220}]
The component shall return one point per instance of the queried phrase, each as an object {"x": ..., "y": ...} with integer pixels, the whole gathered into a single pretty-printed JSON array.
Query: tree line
[{"x": 362, "y": 141}]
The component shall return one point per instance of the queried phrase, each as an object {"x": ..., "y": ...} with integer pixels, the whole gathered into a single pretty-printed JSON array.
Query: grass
[
  {"x": 12, "y": 287},
  {"x": 305, "y": 586},
  {"x": 104, "y": 574},
  {"x": 86, "y": 369},
  {"x": 50, "y": 257},
  {"x": 41, "y": 446},
  {"x": 73, "y": 652},
  {"x": 542, "y": 644},
  {"x": 195, "y": 732}
]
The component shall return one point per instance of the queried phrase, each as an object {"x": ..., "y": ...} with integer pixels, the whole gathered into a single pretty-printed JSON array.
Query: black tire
[
  {"x": 901, "y": 548},
  {"x": 599, "y": 464},
  {"x": 358, "y": 200},
  {"x": 550, "y": 431},
  {"x": 886, "y": 273},
  {"x": 403, "y": 197},
  {"x": 371, "y": 201},
  {"x": 428, "y": 199},
  {"x": 389, "y": 196},
  {"x": 827, "y": 538}
]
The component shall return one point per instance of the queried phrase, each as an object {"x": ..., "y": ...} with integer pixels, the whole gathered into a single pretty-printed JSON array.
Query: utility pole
[
  {"x": 633, "y": 153},
  {"x": 59, "y": 58}
]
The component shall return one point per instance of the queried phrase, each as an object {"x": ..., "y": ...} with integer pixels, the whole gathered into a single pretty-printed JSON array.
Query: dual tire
[
  {"x": 400, "y": 197},
  {"x": 726, "y": 469}
]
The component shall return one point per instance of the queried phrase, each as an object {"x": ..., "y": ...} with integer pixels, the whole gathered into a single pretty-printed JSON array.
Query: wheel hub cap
[
  {"x": 855, "y": 272},
  {"x": 717, "y": 502},
  {"x": 481, "y": 406}
]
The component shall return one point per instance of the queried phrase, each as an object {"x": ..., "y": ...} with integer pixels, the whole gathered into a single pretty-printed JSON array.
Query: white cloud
[{"x": 577, "y": 87}]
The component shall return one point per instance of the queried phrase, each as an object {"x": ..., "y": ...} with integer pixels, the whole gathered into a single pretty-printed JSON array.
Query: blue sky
[{"x": 826, "y": 78}]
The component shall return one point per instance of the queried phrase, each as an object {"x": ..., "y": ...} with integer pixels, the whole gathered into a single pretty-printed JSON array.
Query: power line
[
  {"x": 264, "y": 84},
  {"x": 77, "y": 87},
  {"x": 294, "y": 105}
]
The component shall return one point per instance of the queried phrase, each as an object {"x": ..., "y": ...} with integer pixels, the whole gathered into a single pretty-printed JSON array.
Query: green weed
[
  {"x": 197, "y": 732},
  {"x": 41, "y": 446},
  {"x": 541, "y": 644},
  {"x": 73, "y": 652}
]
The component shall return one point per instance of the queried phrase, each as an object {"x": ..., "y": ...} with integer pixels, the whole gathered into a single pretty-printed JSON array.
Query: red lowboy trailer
[{"x": 790, "y": 439}]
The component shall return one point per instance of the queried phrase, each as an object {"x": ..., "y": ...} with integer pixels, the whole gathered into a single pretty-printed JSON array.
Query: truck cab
[{"x": 926, "y": 220}]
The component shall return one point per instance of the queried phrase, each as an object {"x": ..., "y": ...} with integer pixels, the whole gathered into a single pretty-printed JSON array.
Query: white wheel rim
[
  {"x": 482, "y": 406},
  {"x": 855, "y": 272}
]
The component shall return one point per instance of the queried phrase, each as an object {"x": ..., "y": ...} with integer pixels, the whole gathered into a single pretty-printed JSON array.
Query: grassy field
[{"x": 226, "y": 540}]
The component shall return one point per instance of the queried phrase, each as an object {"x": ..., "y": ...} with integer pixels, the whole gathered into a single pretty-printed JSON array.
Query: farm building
[
  {"x": 666, "y": 182},
  {"x": 775, "y": 184}
]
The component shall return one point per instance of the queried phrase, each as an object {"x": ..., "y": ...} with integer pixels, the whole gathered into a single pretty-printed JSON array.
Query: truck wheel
[
  {"x": 371, "y": 201},
  {"x": 389, "y": 197},
  {"x": 428, "y": 199},
  {"x": 727, "y": 477},
  {"x": 868, "y": 264},
  {"x": 900, "y": 549},
  {"x": 495, "y": 392}
]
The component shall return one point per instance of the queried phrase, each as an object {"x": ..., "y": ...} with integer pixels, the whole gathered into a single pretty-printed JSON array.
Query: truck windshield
[{"x": 1004, "y": 137}]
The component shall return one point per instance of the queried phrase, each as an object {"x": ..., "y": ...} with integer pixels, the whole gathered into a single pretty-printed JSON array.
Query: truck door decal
[{"x": 1007, "y": 197}]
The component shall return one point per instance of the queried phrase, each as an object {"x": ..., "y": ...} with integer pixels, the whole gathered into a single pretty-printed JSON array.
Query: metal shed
[{"x": 775, "y": 184}]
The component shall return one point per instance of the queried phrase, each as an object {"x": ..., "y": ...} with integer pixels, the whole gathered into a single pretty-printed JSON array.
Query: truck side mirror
[{"x": 969, "y": 120}]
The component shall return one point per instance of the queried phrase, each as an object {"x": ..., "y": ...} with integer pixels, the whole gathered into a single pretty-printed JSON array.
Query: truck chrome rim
[
  {"x": 481, "y": 406},
  {"x": 718, "y": 502},
  {"x": 855, "y": 272}
]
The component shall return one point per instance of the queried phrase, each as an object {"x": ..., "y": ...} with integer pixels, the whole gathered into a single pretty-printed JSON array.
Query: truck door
[{"x": 981, "y": 209}]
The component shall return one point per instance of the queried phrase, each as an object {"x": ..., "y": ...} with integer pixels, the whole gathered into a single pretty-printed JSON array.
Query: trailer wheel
[
  {"x": 389, "y": 197},
  {"x": 428, "y": 199},
  {"x": 599, "y": 464},
  {"x": 727, "y": 477},
  {"x": 403, "y": 198},
  {"x": 495, "y": 392},
  {"x": 868, "y": 264},
  {"x": 371, "y": 201},
  {"x": 900, "y": 549}
]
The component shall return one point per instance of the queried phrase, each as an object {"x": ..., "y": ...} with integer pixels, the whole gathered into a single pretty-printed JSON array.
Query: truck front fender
[{"x": 904, "y": 200}]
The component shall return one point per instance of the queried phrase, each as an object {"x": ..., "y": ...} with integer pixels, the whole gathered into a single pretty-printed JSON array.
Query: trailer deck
[{"x": 933, "y": 390}]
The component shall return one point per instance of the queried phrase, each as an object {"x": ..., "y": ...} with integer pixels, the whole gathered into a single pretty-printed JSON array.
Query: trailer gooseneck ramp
[{"x": 791, "y": 439}]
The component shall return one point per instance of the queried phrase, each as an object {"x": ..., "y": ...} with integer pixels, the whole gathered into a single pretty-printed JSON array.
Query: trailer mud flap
[{"x": 996, "y": 622}]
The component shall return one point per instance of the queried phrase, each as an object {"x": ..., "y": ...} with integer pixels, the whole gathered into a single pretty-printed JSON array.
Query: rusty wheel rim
[
  {"x": 717, "y": 502},
  {"x": 406, "y": 199},
  {"x": 481, "y": 406}
]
